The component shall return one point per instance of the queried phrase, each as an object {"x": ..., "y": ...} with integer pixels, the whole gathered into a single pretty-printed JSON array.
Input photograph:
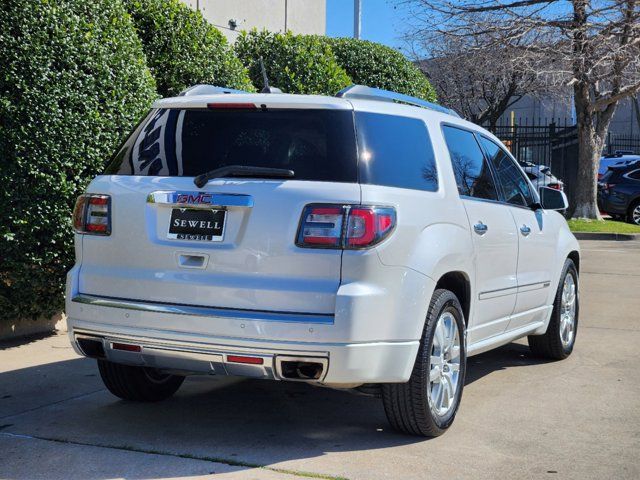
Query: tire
[
  {"x": 409, "y": 406},
  {"x": 555, "y": 344},
  {"x": 141, "y": 384},
  {"x": 634, "y": 210}
]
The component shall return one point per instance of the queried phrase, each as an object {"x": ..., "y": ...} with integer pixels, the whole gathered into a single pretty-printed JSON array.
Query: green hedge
[
  {"x": 183, "y": 49},
  {"x": 376, "y": 65},
  {"x": 294, "y": 63},
  {"x": 73, "y": 81}
]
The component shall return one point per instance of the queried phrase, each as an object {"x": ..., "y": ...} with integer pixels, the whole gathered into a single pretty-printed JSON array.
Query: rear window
[
  {"x": 607, "y": 176},
  {"x": 395, "y": 151},
  {"x": 316, "y": 144}
]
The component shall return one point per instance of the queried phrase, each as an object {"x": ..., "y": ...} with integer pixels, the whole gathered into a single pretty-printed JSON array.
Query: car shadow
[
  {"x": 245, "y": 423},
  {"x": 507, "y": 356}
]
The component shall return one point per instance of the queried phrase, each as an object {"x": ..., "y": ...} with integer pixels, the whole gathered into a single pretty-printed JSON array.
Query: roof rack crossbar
[
  {"x": 202, "y": 89},
  {"x": 369, "y": 93}
]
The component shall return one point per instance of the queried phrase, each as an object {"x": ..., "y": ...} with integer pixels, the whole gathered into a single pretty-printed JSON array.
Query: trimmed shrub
[
  {"x": 73, "y": 82},
  {"x": 376, "y": 65},
  {"x": 183, "y": 49},
  {"x": 294, "y": 63}
]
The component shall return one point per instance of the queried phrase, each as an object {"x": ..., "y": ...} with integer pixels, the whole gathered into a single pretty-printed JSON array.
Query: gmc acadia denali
[{"x": 369, "y": 240}]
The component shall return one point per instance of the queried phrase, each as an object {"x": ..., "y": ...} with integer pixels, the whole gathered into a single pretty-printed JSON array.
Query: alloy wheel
[
  {"x": 635, "y": 215},
  {"x": 568, "y": 311},
  {"x": 444, "y": 368}
]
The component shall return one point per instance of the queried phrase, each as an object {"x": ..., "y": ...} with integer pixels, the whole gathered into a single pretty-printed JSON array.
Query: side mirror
[{"x": 552, "y": 199}]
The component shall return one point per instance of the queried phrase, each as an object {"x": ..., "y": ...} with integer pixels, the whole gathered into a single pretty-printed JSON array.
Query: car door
[
  {"x": 537, "y": 238},
  {"x": 493, "y": 232}
]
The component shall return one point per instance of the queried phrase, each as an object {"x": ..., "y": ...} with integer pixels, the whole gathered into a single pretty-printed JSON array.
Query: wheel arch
[
  {"x": 459, "y": 283},
  {"x": 632, "y": 203},
  {"x": 574, "y": 256}
]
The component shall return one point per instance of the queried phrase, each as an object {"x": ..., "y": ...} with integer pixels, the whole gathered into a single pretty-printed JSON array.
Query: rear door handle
[
  {"x": 525, "y": 230},
  {"x": 480, "y": 228}
]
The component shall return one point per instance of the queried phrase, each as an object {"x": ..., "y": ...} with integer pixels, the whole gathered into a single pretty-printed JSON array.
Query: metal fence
[
  {"x": 624, "y": 142},
  {"x": 555, "y": 145},
  {"x": 542, "y": 143}
]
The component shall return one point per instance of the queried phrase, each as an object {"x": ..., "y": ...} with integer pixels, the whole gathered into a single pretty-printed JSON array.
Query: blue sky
[{"x": 381, "y": 22}]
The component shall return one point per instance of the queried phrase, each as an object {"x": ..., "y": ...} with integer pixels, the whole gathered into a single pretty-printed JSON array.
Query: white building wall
[{"x": 297, "y": 16}]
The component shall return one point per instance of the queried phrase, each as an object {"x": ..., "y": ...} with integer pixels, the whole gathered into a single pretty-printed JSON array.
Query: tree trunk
[
  {"x": 593, "y": 126},
  {"x": 589, "y": 151}
]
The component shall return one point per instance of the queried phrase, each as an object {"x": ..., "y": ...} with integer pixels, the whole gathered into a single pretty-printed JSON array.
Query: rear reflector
[
  {"x": 126, "y": 347},
  {"x": 92, "y": 214},
  {"x": 243, "y": 359},
  {"x": 344, "y": 226}
]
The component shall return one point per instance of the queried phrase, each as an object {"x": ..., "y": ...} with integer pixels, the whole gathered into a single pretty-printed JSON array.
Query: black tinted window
[
  {"x": 472, "y": 172},
  {"x": 515, "y": 187},
  {"x": 635, "y": 175},
  {"x": 607, "y": 175},
  {"x": 395, "y": 151},
  {"x": 315, "y": 144}
]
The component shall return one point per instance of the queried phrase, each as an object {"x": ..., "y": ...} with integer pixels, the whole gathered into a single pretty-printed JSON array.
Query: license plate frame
[{"x": 197, "y": 232}]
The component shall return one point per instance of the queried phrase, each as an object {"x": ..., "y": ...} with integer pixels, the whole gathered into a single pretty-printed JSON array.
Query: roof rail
[
  {"x": 202, "y": 89},
  {"x": 369, "y": 93}
]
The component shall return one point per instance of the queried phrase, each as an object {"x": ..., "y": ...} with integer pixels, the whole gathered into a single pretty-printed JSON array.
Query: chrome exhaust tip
[{"x": 301, "y": 369}]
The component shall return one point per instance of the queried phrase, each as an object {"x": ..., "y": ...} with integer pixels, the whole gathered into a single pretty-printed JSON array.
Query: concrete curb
[
  {"x": 10, "y": 329},
  {"x": 606, "y": 236}
]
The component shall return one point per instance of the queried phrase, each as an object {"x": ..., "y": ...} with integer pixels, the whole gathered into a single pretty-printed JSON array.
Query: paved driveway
[{"x": 520, "y": 417}]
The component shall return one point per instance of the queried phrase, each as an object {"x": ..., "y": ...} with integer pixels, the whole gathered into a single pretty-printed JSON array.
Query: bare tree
[
  {"x": 591, "y": 46},
  {"x": 480, "y": 83}
]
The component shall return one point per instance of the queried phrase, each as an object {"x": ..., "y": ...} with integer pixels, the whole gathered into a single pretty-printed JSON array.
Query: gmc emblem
[{"x": 194, "y": 198}]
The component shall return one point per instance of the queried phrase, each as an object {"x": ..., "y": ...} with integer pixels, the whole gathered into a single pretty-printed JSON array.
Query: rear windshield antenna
[{"x": 265, "y": 80}]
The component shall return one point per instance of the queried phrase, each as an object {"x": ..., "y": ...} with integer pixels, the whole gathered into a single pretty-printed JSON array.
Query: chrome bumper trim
[
  {"x": 254, "y": 315},
  {"x": 198, "y": 358}
]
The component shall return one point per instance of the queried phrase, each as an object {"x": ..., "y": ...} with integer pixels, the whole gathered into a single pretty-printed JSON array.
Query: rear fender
[{"x": 440, "y": 248}]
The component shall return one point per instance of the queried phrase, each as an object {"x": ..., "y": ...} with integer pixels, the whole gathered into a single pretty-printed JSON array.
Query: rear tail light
[
  {"x": 344, "y": 226},
  {"x": 555, "y": 186},
  {"x": 92, "y": 214}
]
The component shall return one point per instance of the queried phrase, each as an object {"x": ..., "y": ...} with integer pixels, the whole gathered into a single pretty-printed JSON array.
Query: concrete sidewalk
[{"x": 520, "y": 417}]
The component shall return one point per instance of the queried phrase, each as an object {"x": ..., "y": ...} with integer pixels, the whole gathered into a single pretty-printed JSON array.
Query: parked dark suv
[{"x": 619, "y": 192}]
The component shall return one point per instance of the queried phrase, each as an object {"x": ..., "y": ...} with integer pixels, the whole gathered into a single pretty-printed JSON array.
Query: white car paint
[{"x": 366, "y": 308}]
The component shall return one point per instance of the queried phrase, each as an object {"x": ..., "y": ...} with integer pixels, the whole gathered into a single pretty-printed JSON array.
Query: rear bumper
[
  {"x": 342, "y": 364},
  {"x": 372, "y": 336},
  {"x": 612, "y": 204}
]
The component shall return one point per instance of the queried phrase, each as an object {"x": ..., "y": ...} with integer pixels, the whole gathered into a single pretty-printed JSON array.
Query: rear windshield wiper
[{"x": 242, "y": 171}]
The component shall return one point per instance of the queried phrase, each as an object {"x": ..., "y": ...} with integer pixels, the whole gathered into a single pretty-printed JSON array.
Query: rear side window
[
  {"x": 470, "y": 168},
  {"x": 635, "y": 175},
  {"x": 316, "y": 144},
  {"x": 395, "y": 152},
  {"x": 515, "y": 187}
]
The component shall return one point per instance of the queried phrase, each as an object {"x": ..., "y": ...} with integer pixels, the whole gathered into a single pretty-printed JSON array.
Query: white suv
[{"x": 369, "y": 240}]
